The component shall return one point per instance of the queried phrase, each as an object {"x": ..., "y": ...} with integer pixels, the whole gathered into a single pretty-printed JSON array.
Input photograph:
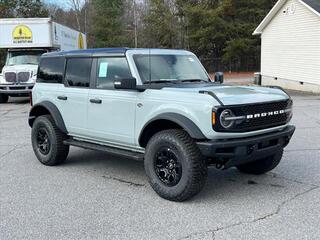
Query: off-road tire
[
  {"x": 194, "y": 167},
  {"x": 58, "y": 151},
  {"x": 261, "y": 166},
  {"x": 4, "y": 98}
]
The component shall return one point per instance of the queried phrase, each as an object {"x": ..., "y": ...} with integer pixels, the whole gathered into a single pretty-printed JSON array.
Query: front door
[{"x": 111, "y": 112}]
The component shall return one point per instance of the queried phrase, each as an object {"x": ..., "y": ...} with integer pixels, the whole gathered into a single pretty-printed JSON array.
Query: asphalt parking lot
[{"x": 96, "y": 196}]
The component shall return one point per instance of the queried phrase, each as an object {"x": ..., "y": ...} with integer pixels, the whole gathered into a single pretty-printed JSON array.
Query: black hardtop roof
[
  {"x": 88, "y": 52},
  {"x": 99, "y": 52}
]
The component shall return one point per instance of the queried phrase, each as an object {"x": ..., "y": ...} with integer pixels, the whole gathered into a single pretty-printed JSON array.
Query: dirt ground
[{"x": 238, "y": 78}]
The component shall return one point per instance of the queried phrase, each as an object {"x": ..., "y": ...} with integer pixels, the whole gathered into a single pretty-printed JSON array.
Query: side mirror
[
  {"x": 125, "y": 83},
  {"x": 218, "y": 77}
]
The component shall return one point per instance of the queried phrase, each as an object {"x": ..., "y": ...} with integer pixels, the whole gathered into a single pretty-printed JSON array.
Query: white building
[{"x": 290, "y": 45}]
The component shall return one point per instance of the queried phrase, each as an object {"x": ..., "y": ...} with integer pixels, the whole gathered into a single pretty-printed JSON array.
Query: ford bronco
[{"x": 159, "y": 106}]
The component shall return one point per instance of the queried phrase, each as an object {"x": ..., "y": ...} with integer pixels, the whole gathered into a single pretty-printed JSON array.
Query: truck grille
[
  {"x": 23, "y": 76},
  {"x": 10, "y": 77},
  {"x": 17, "y": 77},
  {"x": 257, "y": 123}
]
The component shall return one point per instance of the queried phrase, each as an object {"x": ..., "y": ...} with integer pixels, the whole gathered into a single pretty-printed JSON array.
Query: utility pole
[{"x": 135, "y": 24}]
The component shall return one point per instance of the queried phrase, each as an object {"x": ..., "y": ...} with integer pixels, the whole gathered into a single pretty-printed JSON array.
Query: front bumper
[
  {"x": 20, "y": 89},
  {"x": 234, "y": 152}
]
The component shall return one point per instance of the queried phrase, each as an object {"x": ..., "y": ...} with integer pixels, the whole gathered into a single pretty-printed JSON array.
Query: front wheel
[
  {"x": 3, "y": 98},
  {"x": 47, "y": 141},
  {"x": 174, "y": 165},
  {"x": 263, "y": 165}
]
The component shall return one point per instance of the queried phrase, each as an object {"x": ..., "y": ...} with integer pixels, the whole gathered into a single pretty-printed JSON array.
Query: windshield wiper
[
  {"x": 194, "y": 80},
  {"x": 161, "y": 81}
]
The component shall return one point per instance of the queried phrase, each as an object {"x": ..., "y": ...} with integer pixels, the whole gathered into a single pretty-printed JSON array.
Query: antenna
[{"x": 149, "y": 65}]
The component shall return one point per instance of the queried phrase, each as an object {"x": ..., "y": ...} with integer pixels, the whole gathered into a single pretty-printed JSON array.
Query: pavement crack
[
  {"x": 124, "y": 181},
  {"x": 274, "y": 175},
  {"x": 8, "y": 152},
  {"x": 261, "y": 218},
  {"x": 306, "y": 149},
  {"x": 284, "y": 203},
  {"x": 4, "y": 113}
]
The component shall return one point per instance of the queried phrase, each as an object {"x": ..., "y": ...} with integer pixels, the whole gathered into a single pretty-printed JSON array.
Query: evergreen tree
[
  {"x": 161, "y": 25},
  {"x": 21, "y": 9},
  {"x": 108, "y": 29}
]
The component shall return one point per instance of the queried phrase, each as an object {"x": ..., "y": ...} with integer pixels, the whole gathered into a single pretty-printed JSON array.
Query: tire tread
[{"x": 198, "y": 170}]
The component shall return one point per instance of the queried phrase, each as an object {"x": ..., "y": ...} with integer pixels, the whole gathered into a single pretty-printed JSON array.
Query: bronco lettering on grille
[{"x": 265, "y": 114}]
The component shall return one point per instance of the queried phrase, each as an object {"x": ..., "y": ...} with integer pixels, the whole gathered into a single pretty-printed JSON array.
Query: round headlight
[{"x": 224, "y": 121}]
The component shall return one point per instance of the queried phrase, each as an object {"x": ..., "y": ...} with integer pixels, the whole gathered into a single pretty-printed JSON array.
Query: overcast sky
[{"x": 61, "y": 3}]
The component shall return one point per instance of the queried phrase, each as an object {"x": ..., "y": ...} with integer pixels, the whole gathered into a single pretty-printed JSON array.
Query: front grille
[
  {"x": 260, "y": 122},
  {"x": 10, "y": 77},
  {"x": 23, "y": 76}
]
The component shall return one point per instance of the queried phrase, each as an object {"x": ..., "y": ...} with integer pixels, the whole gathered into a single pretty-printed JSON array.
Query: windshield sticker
[
  {"x": 191, "y": 59},
  {"x": 103, "y": 70}
]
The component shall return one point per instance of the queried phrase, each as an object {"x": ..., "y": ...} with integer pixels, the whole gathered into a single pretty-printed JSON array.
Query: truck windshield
[
  {"x": 23, "y": 57},
  {"x": 170, "y": 68}
]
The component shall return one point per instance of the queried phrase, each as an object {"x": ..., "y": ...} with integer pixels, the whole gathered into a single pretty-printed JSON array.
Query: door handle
[
  {"x": 96, "y": 101},
  {"x": 64, "y": 98}
]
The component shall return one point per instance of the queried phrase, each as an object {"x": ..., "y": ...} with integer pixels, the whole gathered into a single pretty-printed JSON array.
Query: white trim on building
[{"x": 290, "y": 45}]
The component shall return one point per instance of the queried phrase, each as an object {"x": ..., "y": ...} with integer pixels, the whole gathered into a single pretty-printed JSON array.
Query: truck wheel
[
  {"x": 47, "y": 141},
  {"x": 174, "y": 165},
  {"x": 263, "y": 165},
  {"x": 4, "y": 98}
]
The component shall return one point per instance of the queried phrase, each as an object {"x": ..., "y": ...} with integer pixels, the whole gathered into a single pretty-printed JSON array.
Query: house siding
[{"x": 290, "y": 48}]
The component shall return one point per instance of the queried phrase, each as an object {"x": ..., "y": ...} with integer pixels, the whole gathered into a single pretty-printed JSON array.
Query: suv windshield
[
  {"x": 23, "y": 57},
  {"x": 170, "y": 68}
]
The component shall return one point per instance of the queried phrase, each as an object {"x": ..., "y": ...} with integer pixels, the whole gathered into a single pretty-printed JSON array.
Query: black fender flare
[
  {"x": 188, "y": 125},
  {"x": 38, "y": 109}
]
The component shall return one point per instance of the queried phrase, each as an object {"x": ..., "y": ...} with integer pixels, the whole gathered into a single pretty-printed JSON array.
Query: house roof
[
  {"x": 315, "y": 4},
  {"x": 312, "y": 5}
]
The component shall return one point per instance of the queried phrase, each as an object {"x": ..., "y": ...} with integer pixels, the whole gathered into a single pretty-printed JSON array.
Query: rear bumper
[
  {"x": 235, "y": 152},
  {"x": 21, "y": 89}
]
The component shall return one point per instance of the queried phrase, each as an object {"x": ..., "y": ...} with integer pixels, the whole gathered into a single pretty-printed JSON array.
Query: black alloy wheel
[
  {"x": 47, "y": 141},
  {"x": 174, "y": 165},
  {"x": 168, "y": 167},
  {"x": 43, "y": 141}
]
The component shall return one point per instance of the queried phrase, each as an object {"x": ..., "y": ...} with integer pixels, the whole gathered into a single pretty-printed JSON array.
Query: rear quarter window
[{"x": 51, "y": 70}]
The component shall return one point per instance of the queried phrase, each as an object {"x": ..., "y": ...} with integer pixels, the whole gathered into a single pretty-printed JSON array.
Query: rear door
[
  {"x": 111, "y": 112},
  {"x": 73, "y": 95}
]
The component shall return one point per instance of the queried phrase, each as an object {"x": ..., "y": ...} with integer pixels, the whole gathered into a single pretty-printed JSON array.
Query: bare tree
[{"x": 77, "y": 6}]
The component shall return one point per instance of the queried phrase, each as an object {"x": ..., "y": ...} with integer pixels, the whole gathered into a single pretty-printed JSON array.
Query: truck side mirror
[
  {"x": 218, "y": 77},
  {"x": 125, "y": 83}
]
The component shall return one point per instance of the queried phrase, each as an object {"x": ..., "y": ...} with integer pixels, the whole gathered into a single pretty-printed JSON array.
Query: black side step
[{"x": 111, "y": 150}]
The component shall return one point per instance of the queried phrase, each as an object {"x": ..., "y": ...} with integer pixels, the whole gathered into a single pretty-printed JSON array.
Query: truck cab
[{"x": 20, "y": 71}]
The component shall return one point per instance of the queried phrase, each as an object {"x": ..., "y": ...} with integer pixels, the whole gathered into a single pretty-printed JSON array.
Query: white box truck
[{"x": 26, "y": 39}]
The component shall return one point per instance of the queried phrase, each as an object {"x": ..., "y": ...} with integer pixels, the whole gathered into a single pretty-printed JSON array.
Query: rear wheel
[
  {"x": 174, "y": 165},
  {"x": 263, "y": 165},
  {"x": 3, "y": 98},
  {"x": 47, "y": 141}
]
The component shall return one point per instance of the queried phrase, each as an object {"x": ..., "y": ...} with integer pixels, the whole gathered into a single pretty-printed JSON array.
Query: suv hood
[{"x": 234, "y": 95}]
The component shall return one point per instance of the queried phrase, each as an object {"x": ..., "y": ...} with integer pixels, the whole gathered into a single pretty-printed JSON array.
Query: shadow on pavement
[
  {"x": 18, "y": 100},
  {"x": 220, "y": 184}
]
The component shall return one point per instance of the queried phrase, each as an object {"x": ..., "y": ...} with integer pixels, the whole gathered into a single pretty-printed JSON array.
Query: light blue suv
[{"x": 159, "y": 106}]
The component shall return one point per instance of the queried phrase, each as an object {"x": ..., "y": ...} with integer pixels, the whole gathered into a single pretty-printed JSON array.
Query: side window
[
  {"x": 78, "y": 72},
  {"x": 51, "y": 70},
  {"x": 111, "y": 69}
]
